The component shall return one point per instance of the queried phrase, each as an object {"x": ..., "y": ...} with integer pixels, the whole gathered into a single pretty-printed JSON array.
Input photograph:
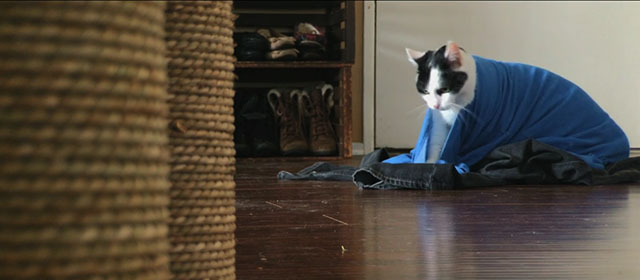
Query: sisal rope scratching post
[
  {"x": 84, "y": 162},
  {"x": 200, "y": 53}
]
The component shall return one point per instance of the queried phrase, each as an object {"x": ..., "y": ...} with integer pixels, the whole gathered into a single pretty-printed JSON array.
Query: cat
[
  {"x": 503, "y": 103},
  {"x": 446, "y": 80}
]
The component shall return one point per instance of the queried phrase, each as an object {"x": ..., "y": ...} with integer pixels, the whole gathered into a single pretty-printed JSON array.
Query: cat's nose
[{"x": 436, "y": 106}]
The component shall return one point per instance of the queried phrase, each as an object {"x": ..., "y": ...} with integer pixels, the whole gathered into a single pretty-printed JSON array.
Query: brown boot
[
  {"x": 285, "y": 106},
  {"x": 322, "y": 139}
]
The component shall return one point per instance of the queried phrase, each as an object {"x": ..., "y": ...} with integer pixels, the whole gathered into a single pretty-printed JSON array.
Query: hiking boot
[
  {"x": 322, "y": 139},
  {"x": 285, "y": 107}
]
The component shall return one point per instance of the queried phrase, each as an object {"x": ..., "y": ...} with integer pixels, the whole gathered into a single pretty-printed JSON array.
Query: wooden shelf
[
  {"x": 283, "y": 158},
  {"x": 292, "y": 64},
  {"x": 336, "y": 20},
  {"x": 289, "y": 5}
]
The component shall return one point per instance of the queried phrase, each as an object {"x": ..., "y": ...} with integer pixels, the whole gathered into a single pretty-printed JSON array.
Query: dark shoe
[
  {"x": 241, "y": 144},
  {"x": 250, "y": 46},
  {"x": 311, "y": 53},
  {"x": 285, "y": 106},
  {"x": 256, "y": 132},
  {"x": 264, "y": 148},
  {"x": 240, "y": 135},
  {"x": 264, "y": 129},
  {"x": 322, "y": 139},
  {"x": 251, "y": 41},
  {"x": 246, "y": 55}
]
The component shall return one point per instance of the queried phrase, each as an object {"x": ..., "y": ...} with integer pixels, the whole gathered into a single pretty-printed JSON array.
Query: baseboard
[{"x": 358, "y": 148}]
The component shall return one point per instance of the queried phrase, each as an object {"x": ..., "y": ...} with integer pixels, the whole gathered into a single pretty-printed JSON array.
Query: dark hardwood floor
[{"x": 333, "y": 230}]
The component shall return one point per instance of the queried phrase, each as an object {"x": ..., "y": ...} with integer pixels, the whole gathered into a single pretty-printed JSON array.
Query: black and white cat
[
  {"x": 500, "y": 103},
  {"x": 446, "y": 81}
]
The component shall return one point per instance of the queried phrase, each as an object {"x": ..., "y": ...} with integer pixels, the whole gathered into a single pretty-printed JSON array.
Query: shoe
[
  {"x": 282, "y": 43},
  {"x": 240, "y": 138},
  {"x": 307, "y": 34},
  {"x": 251, "y": 41},
  {"x": 328, "y": 98},
  {"x": 310, "y": 41},
  {"x": 327, "y": 95},
  {"x": 308, "y": 52},
  {"x": 256, "y": 132},
  {"x": 286, "y": 54},
  {"x": 277, "y": 41},
  {"x": 246, "y": 55},
  {"x": 241, "y": 143},
  {"x": 322, "y": 139},
  {"x": 264, "y": 129},
  {"x": 250, "y": 46},
  {"x": 284, "y": 104}
]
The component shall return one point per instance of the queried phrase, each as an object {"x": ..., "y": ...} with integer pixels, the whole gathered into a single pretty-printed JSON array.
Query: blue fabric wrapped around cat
[{"x": 514, "y": 102}]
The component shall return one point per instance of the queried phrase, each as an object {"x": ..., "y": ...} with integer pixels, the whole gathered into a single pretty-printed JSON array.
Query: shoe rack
[{"x": 336, "y": 18}]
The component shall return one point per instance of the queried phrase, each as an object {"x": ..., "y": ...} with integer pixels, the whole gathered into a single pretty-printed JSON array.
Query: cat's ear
[
  {"x": 453, "y": 55},
  {"x": 414, "y": 55}
]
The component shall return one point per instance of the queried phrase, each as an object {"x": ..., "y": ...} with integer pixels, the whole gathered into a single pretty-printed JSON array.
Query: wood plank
[
  {"x": 349, "y": 52},
  {"x": 346, "y": 138}
]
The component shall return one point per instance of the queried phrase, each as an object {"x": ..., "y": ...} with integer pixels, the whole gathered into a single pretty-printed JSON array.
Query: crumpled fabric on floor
[
  {"x": 324, "y": 171},
  {"x": 527, "y": 162}
]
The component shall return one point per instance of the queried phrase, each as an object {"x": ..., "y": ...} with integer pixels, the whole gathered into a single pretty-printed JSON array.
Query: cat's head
[{"x": 446, "y": 77}]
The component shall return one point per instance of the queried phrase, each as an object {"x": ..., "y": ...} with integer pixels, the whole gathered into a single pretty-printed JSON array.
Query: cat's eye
[
  {"x": 422, "y": 91},
  {"x": 442, "y": 91}
]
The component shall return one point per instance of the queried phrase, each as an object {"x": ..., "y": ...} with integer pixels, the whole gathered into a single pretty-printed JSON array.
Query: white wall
[{"x": 594, "y": 44}]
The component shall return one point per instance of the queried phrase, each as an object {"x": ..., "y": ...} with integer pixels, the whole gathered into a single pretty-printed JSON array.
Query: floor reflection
[
  {"x": 532, "y": 232},
  {"x": 510, "y": 232}
]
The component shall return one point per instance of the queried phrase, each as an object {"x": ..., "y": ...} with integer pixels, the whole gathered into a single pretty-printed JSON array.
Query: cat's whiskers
[
  {"x": 462, "y": 108},
  {"x": 412, "y": 111}
]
